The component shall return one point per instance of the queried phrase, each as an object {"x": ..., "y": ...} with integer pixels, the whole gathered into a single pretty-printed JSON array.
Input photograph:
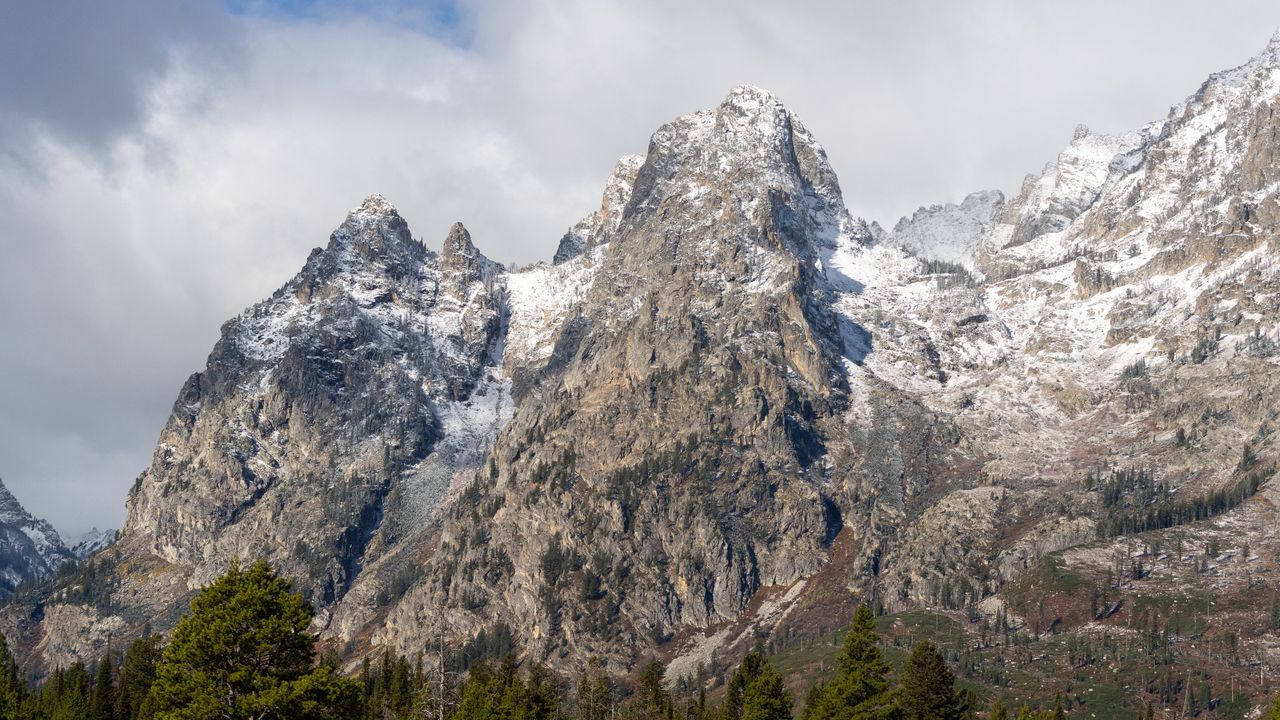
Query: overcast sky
[{"x": 163, "y": 165}]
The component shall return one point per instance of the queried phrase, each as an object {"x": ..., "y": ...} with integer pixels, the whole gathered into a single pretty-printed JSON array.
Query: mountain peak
[
  {"x": 751, "y": 97},
  {"x": 461, "y": 263},
  {"x": 749, "y": 110},
  {"x": 376, "y": 204},
  {"x": 458, "y": 243},
  {"x": 374, "y": 229}
]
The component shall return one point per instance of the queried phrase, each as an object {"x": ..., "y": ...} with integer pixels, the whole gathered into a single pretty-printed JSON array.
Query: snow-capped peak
[
  {"x": 375, "y": 231},
  {"x": 950, "y": 232},
  {"x": 91, "y": 542},
  {"x": 32, "y": 547}
]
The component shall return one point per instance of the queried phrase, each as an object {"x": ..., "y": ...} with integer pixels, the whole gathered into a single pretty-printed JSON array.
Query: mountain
[
  {"x": 91, "y": 542},
  {"x": 729, "y": 411},
  {"x": 30, "y": 549},
  {"x": 948, "y": 233}
]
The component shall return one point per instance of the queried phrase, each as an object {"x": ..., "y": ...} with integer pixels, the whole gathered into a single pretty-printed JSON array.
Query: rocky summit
[
  {"x": 729, "y": 411},
  {"x": 30, "y": 549}
]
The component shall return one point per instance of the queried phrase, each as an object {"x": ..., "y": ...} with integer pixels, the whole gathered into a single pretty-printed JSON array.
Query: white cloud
[{"x": 127, "y": 245}]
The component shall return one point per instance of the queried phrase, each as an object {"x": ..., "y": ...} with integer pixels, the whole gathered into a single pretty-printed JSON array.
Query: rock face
[
  {"x": 91, "y": 542},
  {"x": 950, "y": 233},
  {"x": 30, "y": 549},
  {"x": 679, "y": 433},
  {"x": 727, "y": 406},
  {"x": 315, "y": 402}
]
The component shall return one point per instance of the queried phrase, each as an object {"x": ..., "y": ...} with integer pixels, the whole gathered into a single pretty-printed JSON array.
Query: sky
[{"x": 164, "y": 164}]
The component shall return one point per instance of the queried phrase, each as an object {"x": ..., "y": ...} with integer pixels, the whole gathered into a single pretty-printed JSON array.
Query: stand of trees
[{"x": 243, "y": 652}]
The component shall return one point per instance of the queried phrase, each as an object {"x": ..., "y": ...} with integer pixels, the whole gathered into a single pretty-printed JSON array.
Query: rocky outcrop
[
  {"x": 948, "y": 233},
  {"x": 30, "y": 549}
]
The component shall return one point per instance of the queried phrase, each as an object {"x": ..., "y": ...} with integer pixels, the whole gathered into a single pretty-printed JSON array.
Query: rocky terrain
[
  {"x": 729, "y": 410},
  {"x": 30, "y": 548}
]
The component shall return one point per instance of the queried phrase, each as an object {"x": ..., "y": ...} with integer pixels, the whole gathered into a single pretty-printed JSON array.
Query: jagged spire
[
  {"x": 458, "y": 246},
  {"x": 374, "y": 230}
]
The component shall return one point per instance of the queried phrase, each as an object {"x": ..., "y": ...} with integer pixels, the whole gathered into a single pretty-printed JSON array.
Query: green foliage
[
  {"x": 765, "y": 698},
  {"x": 137, "y": 673},
  {"x": 12, "y": 690},
  {"x": 594, "y": 693},
  {"x": 752, "y": 667},
  {"x": 928, "y": 687},
  {"x": 498, "y": 693},
  {"x": 490, "y": 644},
  {"x": 861, "y": 686},
  {"x": 244, "y": 652},
  {"x": 103, "y": 704}
]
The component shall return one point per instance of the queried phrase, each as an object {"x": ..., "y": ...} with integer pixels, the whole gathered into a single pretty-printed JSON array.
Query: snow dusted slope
[
  {"x": 950, "y": 233},
  {"x": 726, "y": 393},
  {"x": 91, "y": 542},
  {"x": 30, "y": 548}
]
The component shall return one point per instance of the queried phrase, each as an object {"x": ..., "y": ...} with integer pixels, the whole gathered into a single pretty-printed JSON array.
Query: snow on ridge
[
  {"x": 950, "y": 232},
  {"x": 540, "y": 298}
]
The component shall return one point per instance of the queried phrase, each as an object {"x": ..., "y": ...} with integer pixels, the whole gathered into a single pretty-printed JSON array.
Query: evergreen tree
[
  {"x": 861, "y": 687},
  {"x": 928, "y": 687},
  {"x": 104, "y": 701},
  {"x": 765, "y": 697},
  {"x": 595, "y": 695},
  {"x": 137, "y": 673},
  {"x": 998, "y": 711},
  {"x": 244, "y": 652},
  {"x": 69, "y": 697},
  {"x": 751, "y": 667},
  {"x": 653, "y": 692},
  {"x": 542, "y": 696},
  {"x": 12, "y": 690}
]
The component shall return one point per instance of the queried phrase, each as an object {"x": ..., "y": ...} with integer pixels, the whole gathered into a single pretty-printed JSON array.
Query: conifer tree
[
  {"x": 12, "y": 690},
  {"x": 137, "y": 673},
  {"x": 861, "y": 686},
  {"x": 68, "y": 698},
  {"x": 765, "y": 697},
  {"x": 244, "y": 652},
  {"x": 998, "y": 711},
  {"x": 594, "y": 695},
  {"x": 103, "y": 701},
  {"x": 928, "y": 687}
]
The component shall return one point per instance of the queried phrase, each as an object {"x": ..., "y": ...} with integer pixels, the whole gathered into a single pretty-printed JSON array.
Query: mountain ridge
[{"x": 727, "y": 408}]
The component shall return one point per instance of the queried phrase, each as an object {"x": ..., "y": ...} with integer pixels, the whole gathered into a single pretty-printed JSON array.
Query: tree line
[{"x": 243, "y": 653}]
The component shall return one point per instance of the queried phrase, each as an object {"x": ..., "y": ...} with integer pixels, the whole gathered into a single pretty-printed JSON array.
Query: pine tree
[
  {"x": 653, "y": 693},
  {"x": 137, "y": 673},
  {"x": 68, "y": 698},
  {"x": 998, "y": 711},
  {"x": 102, "y": 706},
  {"x": 766, "y": 698},
  {"x": 595, "y": 695},
  {"x": 542, "y": 698},
  {"x": 928, "y": 687},
  {"x": 861, "y": 686},
  {"x": 244, "y": 652},
  {"x": 12, "y": 690},
  {"x": 751, "y": 667}
]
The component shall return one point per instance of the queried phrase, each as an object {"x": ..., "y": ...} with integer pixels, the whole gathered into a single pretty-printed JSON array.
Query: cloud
[
  {"x": 163, "y": 166},
  {"x": 82, "y": 70}
]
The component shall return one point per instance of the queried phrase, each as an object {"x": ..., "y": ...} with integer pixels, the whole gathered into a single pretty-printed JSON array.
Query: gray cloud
[
  {"x": 83, "y": 70},
  {"x": 167, "y": 168}
]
